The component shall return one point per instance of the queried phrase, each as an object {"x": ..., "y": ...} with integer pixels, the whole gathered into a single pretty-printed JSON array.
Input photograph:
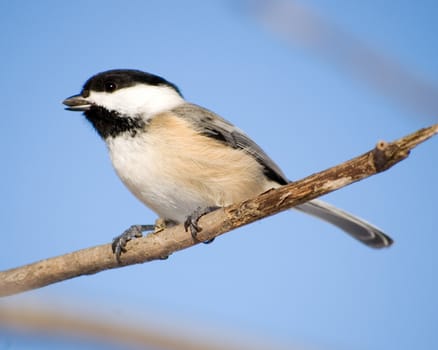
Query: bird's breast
[{"x": 174, "y": 170}]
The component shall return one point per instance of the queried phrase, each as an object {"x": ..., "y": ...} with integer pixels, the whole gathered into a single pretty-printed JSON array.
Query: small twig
[{"x": 164, "y": 243}]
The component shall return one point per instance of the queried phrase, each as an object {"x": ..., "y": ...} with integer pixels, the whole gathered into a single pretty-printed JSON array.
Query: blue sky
[{"x": 289, "y": 278}]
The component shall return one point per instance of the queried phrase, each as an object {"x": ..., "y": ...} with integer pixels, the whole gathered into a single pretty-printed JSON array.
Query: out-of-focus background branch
[
  {"x": 96, "y": 327},
  {"x": 299, "y": 23}
]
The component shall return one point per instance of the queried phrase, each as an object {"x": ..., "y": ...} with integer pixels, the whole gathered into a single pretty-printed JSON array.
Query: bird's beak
[{"x": 77, "y": 103}]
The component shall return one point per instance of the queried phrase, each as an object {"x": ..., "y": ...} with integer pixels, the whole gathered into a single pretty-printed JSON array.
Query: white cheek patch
[{"x": 144, "y": 100}]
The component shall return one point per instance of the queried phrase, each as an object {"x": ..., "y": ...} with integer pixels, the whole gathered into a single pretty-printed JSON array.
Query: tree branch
[{"x": 162, "y": 244}]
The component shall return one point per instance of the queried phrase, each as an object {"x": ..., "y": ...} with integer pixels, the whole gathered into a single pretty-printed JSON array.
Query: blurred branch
[
  {"x": 74, "y": 325},
  {"x": 299, "y": 24},
  {"x": 162, "y": 244}
]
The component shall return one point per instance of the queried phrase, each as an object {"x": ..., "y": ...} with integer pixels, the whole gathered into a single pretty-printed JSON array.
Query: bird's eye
[{"x": 110, "y": 86}]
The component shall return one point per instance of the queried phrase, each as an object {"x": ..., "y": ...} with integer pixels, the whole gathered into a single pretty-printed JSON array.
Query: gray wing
[{"x": 212, "y": 125}]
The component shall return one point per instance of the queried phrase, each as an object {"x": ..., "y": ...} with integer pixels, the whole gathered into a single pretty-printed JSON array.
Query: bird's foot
[
  {"x": 192, "y": 222},
  {"x": 135, "y": 231}
]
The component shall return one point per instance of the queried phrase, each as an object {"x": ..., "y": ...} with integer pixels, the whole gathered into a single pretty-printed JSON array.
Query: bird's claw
[
  {"x": 192, "y": 222},
  {"x": 135, "y": 231}
]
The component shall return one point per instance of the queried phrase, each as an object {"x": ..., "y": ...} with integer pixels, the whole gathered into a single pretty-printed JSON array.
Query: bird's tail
[{"x": 354, "y": 226}]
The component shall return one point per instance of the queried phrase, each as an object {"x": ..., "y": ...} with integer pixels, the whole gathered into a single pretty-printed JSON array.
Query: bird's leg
[{"x": 192, "y": 222}]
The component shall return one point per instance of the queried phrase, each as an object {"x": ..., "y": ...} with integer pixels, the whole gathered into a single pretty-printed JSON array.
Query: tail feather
[{"x": 354, "y": 226}]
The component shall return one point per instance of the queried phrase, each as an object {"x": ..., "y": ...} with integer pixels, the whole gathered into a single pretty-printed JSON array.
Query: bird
[{"x": 182, "y": 160}]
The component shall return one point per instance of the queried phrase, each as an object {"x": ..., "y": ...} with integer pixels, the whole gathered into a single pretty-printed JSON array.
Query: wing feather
[{"x": 213, "y": 125}]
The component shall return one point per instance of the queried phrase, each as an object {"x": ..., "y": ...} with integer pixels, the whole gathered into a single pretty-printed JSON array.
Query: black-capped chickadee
[{"x": 181, "y": 160}]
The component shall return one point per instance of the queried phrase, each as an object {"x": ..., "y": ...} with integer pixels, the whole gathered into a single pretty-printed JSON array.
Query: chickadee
[{"x": 182, "y": 160}]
